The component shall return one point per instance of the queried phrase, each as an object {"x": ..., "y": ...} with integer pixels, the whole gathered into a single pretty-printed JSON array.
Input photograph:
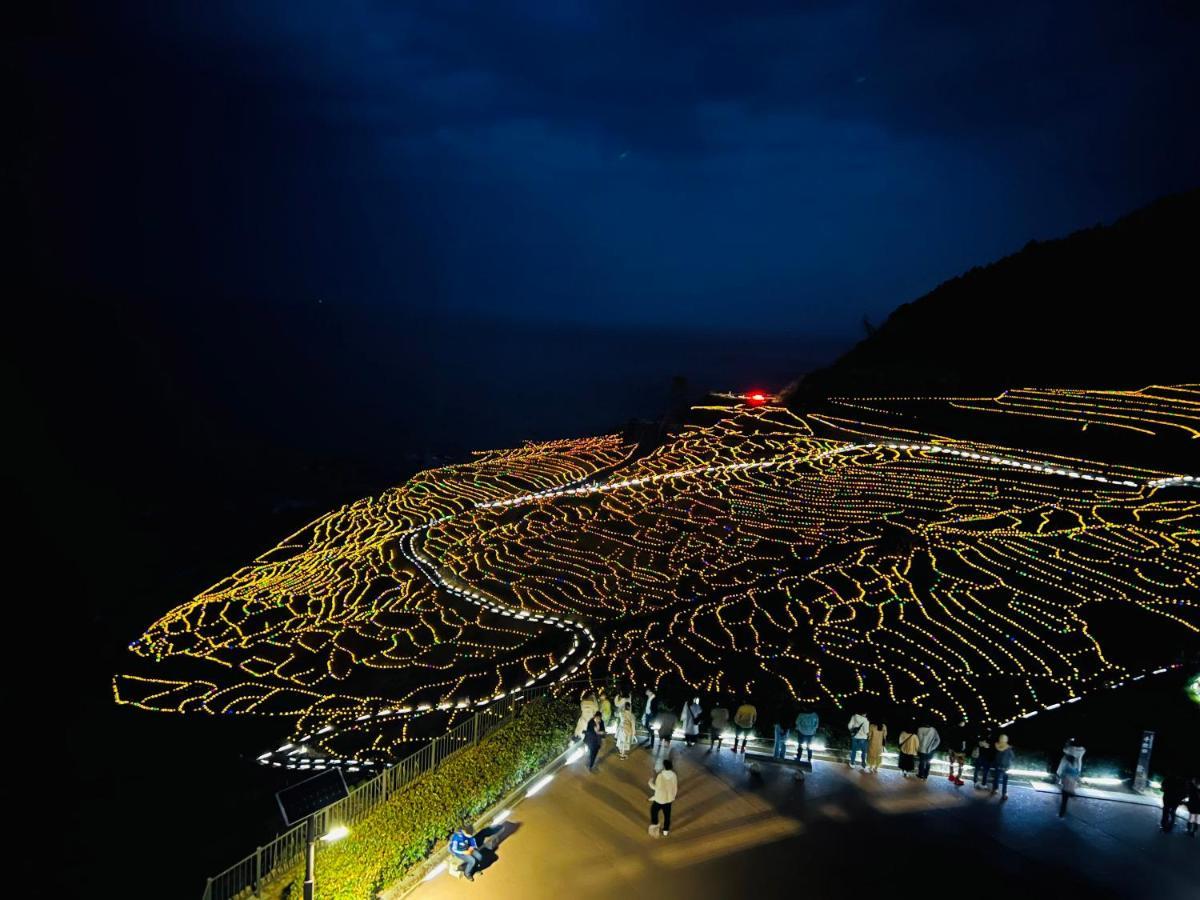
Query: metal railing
[{"x": 247, "y": 877}]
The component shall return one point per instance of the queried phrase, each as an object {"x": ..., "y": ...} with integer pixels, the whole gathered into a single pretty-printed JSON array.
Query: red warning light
[{"x": 756, "y": 398}]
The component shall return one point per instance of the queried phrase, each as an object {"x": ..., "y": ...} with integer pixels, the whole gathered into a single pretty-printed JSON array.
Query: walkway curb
[{"x": 415, "y": 878}]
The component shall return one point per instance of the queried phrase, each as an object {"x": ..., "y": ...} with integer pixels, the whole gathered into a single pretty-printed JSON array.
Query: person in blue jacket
[
  {"x": 465, "y": 849},
  {"x": 806, "y": 730}
]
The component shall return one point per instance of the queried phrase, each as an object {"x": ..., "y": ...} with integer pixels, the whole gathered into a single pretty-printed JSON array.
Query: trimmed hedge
[{"x": 409, "y": 826}]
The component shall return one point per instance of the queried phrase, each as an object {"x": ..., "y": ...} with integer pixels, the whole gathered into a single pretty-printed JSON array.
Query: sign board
[
  {"x": 301, "y": 800},
  {"x": 1141, "y": 774}
]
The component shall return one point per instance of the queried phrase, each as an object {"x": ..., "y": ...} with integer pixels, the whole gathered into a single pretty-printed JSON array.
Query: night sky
[{"x": 695, "y": 165}]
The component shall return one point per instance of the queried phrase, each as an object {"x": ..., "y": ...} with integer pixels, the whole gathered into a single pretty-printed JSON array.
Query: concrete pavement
[{"x": 838, "y": 833}]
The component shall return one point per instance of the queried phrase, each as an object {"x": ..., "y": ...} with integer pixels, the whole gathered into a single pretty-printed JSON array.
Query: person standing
[
  {"x": 1174, "y": 791},
  {"x": 665, "y": 722},
  {"x": 593, "y": 737},
  {"x": 665, "y": 786},
  {"x": 619, "y": 704},
  {"x": 1069, "y": 773},
  {"x": 626, "y": 730},
  {"x": 587, "y": 708},
  {"x": 878, "y": 734},
  {"x": 718, "y": 724},
  {"x": 649, "y": 714},
  {"x": 960, "y": 748},
  {"x": 465, "y": 849},
  {"x": 910, "y": 744},
  {"x": 690, "y": 717},
  {"x": 1193, "y": 806},
  {"x": 1001, "y": 763},
  {"x": 1070, "y": 748},
  {"x": 606, "y": 708},
  {"x": 783, "y": 726},
  {"x": 928, "y": 741},
  {"x": 985, "y": 754},
  {"x": 806, "y": 729},
  {"x": 743, "y": 724},
  {"x": 860, "y": 730}
]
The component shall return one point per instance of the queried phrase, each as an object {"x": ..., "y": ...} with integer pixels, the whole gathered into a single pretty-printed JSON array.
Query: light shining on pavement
[
  {"x": 541, "y": 784},
  {"x": 577, "y": 754},
  {"x": 436, "y": 871}
]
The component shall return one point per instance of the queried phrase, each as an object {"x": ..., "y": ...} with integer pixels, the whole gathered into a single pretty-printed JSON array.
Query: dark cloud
[{"x": 689, "y": 162}]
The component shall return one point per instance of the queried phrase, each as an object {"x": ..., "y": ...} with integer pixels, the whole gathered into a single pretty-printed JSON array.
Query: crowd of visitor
[{"x": 987, "y": 753}]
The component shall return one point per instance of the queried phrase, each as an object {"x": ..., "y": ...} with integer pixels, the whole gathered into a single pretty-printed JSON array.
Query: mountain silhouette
[{"x": 1110, "y": 306}]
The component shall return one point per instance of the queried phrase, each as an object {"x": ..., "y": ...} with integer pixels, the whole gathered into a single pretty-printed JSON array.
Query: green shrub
[{"x": 410, "y": 825}]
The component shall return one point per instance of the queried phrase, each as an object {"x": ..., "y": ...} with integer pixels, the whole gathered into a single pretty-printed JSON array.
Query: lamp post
[
  {"x": 310, "y": 856},
  {"x": 304, "y": 802},
  {"x": 310, "y": 859}
]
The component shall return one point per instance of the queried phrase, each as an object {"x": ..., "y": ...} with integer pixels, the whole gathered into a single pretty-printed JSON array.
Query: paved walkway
[{"x": 839, "y": 833}]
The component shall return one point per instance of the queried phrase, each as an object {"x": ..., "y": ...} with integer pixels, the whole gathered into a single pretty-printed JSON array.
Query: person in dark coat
[
  {"x": 649, "y": 714},
  {"x": 593, "y": 737},
  {"x": 984, "y": 757},
  {"x": 1175, "y": 791}
]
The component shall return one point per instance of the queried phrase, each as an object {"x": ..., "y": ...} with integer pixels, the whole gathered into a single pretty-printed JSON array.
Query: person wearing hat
[{"x": 1000, "y": 766}]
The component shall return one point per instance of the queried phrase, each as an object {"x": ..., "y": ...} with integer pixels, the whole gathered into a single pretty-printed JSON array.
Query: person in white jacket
[
  {"x": 928, "y": 740},
  {"x": 665, "y": 786},
  {"x": 626, "y": 729},
  {"x": 860, "y": 730},
  {"x": 689, "y": 716}
]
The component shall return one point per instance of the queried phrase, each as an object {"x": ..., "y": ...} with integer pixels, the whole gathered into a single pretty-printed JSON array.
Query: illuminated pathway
[{"x": 734, "y": 835}]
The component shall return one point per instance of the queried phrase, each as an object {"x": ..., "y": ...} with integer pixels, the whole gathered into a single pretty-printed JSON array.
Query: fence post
[
  {"x": 257, "y": 870},
  {"x": 475, "y": 730}
]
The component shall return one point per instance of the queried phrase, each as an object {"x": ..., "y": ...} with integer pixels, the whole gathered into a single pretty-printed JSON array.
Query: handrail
[{"x": 246, "y": 877}]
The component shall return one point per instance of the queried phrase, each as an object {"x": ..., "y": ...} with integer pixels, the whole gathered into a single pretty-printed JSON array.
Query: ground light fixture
[{"x": 335, "y": 834}]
